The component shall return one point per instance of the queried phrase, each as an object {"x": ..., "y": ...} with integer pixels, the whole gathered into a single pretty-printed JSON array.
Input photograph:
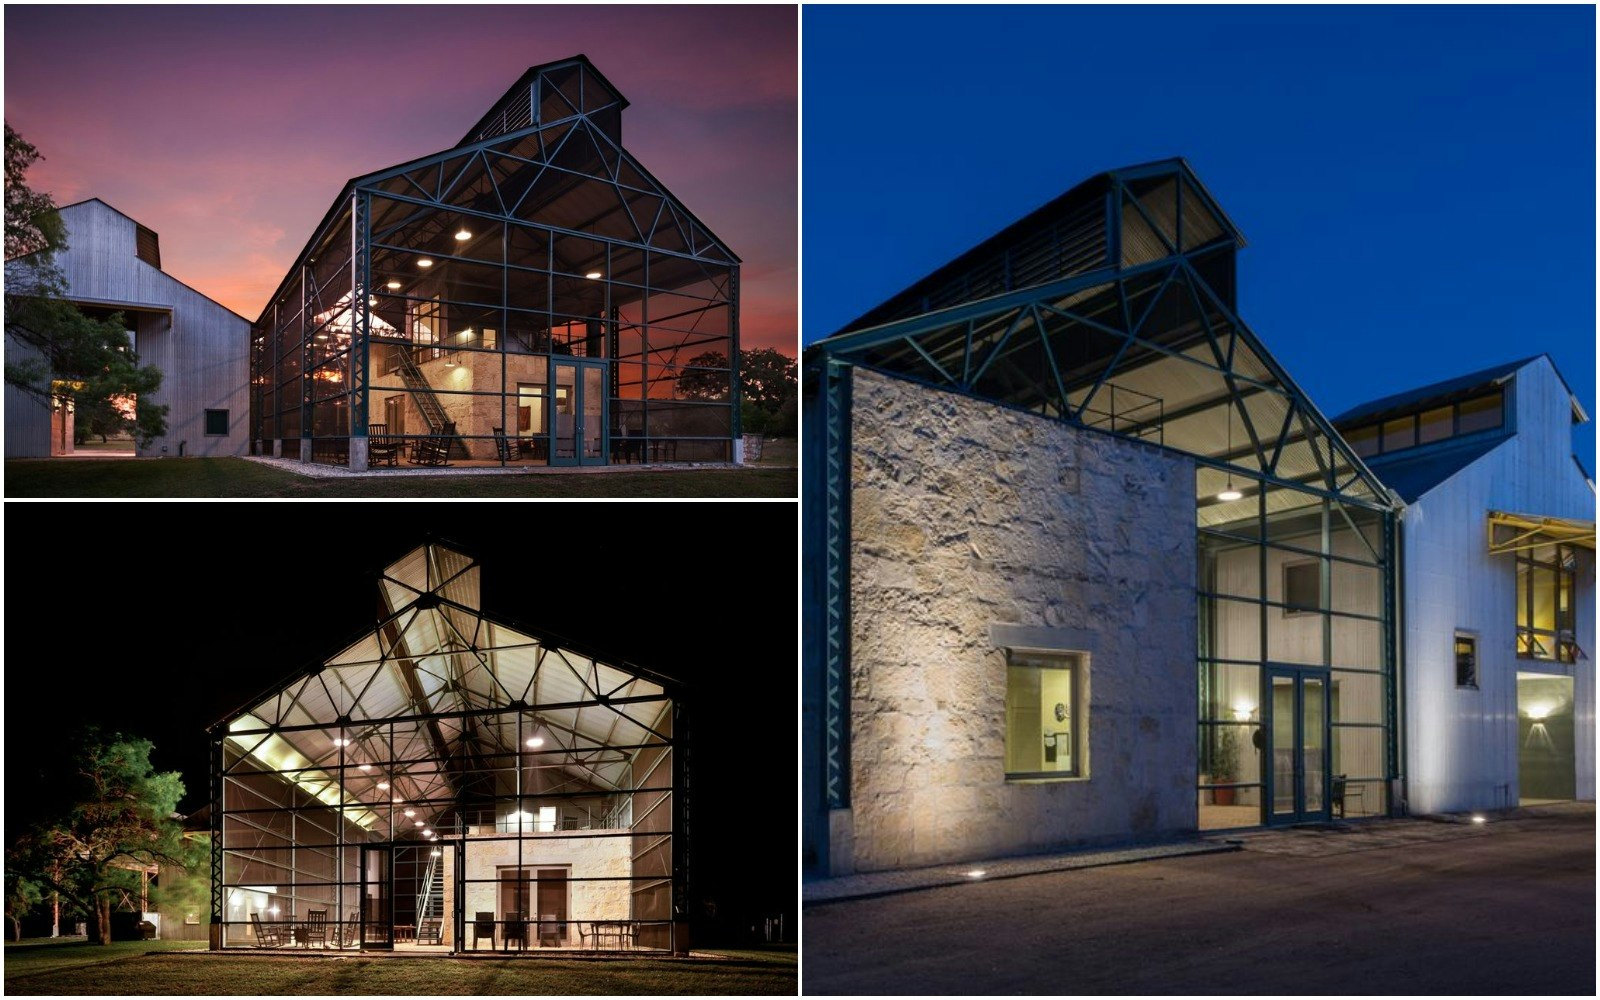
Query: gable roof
[
  {"x": 1416, "y": 471},
  {"x": 445, "y": 682},
  {"x": 1417, "y": 398}
]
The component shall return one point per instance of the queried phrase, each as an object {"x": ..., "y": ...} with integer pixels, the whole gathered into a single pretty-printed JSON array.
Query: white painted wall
[{"x": 1461, "y": 744}]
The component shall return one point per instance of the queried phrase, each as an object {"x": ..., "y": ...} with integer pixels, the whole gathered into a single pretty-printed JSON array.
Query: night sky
[
  {"x": 1416, "y": 185},
  {"x": 230, "y": 130},
  {"x": 178, "y": 627}
]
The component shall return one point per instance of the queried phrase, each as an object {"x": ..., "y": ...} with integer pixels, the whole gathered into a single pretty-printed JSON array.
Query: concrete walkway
[
  {"x": 317, "y": 470},
  {"x": 873, "y": 884}
]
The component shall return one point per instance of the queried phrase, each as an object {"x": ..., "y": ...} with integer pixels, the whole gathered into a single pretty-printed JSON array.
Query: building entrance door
[
  {"x": 377, "y": 897},
  {"x": 1297, "y": 730},
  {"x": 578, "y": 394}
]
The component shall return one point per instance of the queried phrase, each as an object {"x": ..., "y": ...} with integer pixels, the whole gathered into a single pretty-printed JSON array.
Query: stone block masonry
[{"x": 969, "y": 522}]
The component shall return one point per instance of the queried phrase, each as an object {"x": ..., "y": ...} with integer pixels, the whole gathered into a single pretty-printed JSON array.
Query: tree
[
  {"x": 767, "y": 378},
  {"x": 22, "y": 895},
  {"x": 105, "y": 817},
  {"x": 65, "y": 356}
]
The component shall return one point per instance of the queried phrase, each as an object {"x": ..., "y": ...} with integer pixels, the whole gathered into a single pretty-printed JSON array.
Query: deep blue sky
[{"x": 1416, "y": 185}]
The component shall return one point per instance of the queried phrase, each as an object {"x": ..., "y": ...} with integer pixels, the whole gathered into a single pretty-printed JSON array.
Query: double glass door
[
  {"x": 1297, "y": 745},
  {"x": 578, "y": 396}
]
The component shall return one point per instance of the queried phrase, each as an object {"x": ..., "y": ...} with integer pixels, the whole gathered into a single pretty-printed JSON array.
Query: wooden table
[{"x": 622, "y": 930}]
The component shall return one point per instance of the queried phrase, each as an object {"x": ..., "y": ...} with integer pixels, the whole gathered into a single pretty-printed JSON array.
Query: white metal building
[
  {"x": 1498, "y": 577},
  {"x": 113, "y": 264}
]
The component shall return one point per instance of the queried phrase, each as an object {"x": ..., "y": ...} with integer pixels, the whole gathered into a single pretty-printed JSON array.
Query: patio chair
[
  {"x": 516, "y": 930},
  {"x": 382, "y": 449},
  {"x": 502, "y": 446},
  {"x": 266, "y": 934},
  {"x": 549, "y": 931},
  {"x": 352, "y": 927},
  {"x": 431, "y": 932},
  {"x": 483, "y": 927},
  {"x": 317, "y": 928},
  {"x": 435, "y": 449}
]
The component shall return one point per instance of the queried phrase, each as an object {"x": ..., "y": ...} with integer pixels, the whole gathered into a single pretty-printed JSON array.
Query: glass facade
[
  {"x": 529, "y": 297},
  {"x": 449, "y": 782}
]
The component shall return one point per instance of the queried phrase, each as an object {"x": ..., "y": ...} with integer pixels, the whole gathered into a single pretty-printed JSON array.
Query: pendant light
[{"x": 1229, "y": 493}]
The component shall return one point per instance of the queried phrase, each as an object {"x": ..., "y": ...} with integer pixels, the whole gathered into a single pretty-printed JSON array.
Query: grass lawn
[
  {"x": 235, "y": 477},
  {"x": 73, "y": 967}
]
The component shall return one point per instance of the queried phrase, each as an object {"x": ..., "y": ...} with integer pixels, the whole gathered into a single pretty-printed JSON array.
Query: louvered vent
[{"x": 147, "y": 246}]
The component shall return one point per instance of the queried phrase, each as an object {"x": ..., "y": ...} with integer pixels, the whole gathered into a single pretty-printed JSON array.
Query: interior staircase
[{"x": 430, "y": 901}]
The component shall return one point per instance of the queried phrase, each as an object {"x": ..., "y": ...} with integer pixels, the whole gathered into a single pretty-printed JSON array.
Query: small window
[
  {"x": 1364, "y": 440},
  {"x": 1436, "y": 424},
  {"x": 1481, "y": 414},
  {"x": 1302, "y": 587},
  {"x": 1466, "y": 660},
  {"x": 217, "y": 422},
  {"x": 146, "y": 246},
  {"x": 1044, "y": 715},
  {"x": 1399, "y": 433}
]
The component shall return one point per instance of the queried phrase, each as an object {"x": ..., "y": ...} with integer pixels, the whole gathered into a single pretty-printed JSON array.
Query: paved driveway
[{"x": 1394, "y": 907}]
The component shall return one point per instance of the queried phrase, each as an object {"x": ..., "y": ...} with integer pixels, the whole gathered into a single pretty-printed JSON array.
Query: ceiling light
[
  {"x": 1478, "y": 818},
  {"x": 976, "y": 873},
  {"x": 338, "y": 742},
  {"x": 1230, "y": 494},
  {"x": 422, "y": 822},
  {"x": 393, "y": 285},
  {"x": 411, "y": 812},
  {"x": 462, "y": 234},
  {"x": 536, "y": 741},
  {"x": 383, "y": 784},
  {"x": 366, "y": 767},
  {"x": 592, "y": 275},
  {"x": 435, "y": 853},
  {"x": 425, "y": 262}
]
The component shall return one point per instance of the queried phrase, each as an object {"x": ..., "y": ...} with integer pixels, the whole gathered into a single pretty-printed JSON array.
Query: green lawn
[
  {"x": 73, "y": 967},
  {"x": 235, "y": 477}
]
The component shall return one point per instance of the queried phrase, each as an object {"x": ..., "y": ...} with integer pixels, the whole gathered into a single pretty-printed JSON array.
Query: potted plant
[{"x": 1225, "y": 764}]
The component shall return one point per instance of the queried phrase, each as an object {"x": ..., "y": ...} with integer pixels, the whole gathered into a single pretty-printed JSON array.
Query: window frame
[
  {"x": 1076, "y": 663},
  {"x": 1562, "y": 568},
  {"x": 1291, "y": 609},
  {"x": 1464, "y": 636}
]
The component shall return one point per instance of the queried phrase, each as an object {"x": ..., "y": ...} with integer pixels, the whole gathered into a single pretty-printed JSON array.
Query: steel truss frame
[{"x": 1155, "y": 264}]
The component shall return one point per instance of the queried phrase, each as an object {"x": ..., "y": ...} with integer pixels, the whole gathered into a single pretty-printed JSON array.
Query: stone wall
[
  {"x": 973, "y": 525},
  {"x": 585, "y": 857}
]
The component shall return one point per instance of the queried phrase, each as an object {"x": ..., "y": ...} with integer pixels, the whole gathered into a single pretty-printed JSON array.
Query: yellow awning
[{"x": 1518, "y": 532}]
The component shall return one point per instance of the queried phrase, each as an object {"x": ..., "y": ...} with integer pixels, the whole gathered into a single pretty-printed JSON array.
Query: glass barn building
[{"x": 532, "y": 295}]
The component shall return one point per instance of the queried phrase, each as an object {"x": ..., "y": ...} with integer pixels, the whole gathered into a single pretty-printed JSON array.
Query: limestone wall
[
  {"x": 585, "y": 857},
  {"x": 972, "y": 525}
]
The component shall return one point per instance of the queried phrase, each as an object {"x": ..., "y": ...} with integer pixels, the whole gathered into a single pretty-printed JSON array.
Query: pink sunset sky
[{"x": 230, "y": 130}]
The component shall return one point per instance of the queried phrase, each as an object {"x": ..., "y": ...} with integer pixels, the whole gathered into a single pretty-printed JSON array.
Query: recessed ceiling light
[
  {"x": 425, "y": 262},
  {"x": 592, "y": 275}
]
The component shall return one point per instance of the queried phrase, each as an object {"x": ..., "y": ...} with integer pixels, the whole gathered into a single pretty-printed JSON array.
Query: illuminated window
[
  {"x": 1546, "y": 611},
  {"x": 1045, "y": 717},
  {"x": 1466, "y": 660}
]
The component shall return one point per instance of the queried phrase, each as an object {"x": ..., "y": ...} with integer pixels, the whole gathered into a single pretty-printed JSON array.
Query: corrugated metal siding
[
  {"x": 1462, "y": 744},
  {"x": 202, "y": 348}
]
